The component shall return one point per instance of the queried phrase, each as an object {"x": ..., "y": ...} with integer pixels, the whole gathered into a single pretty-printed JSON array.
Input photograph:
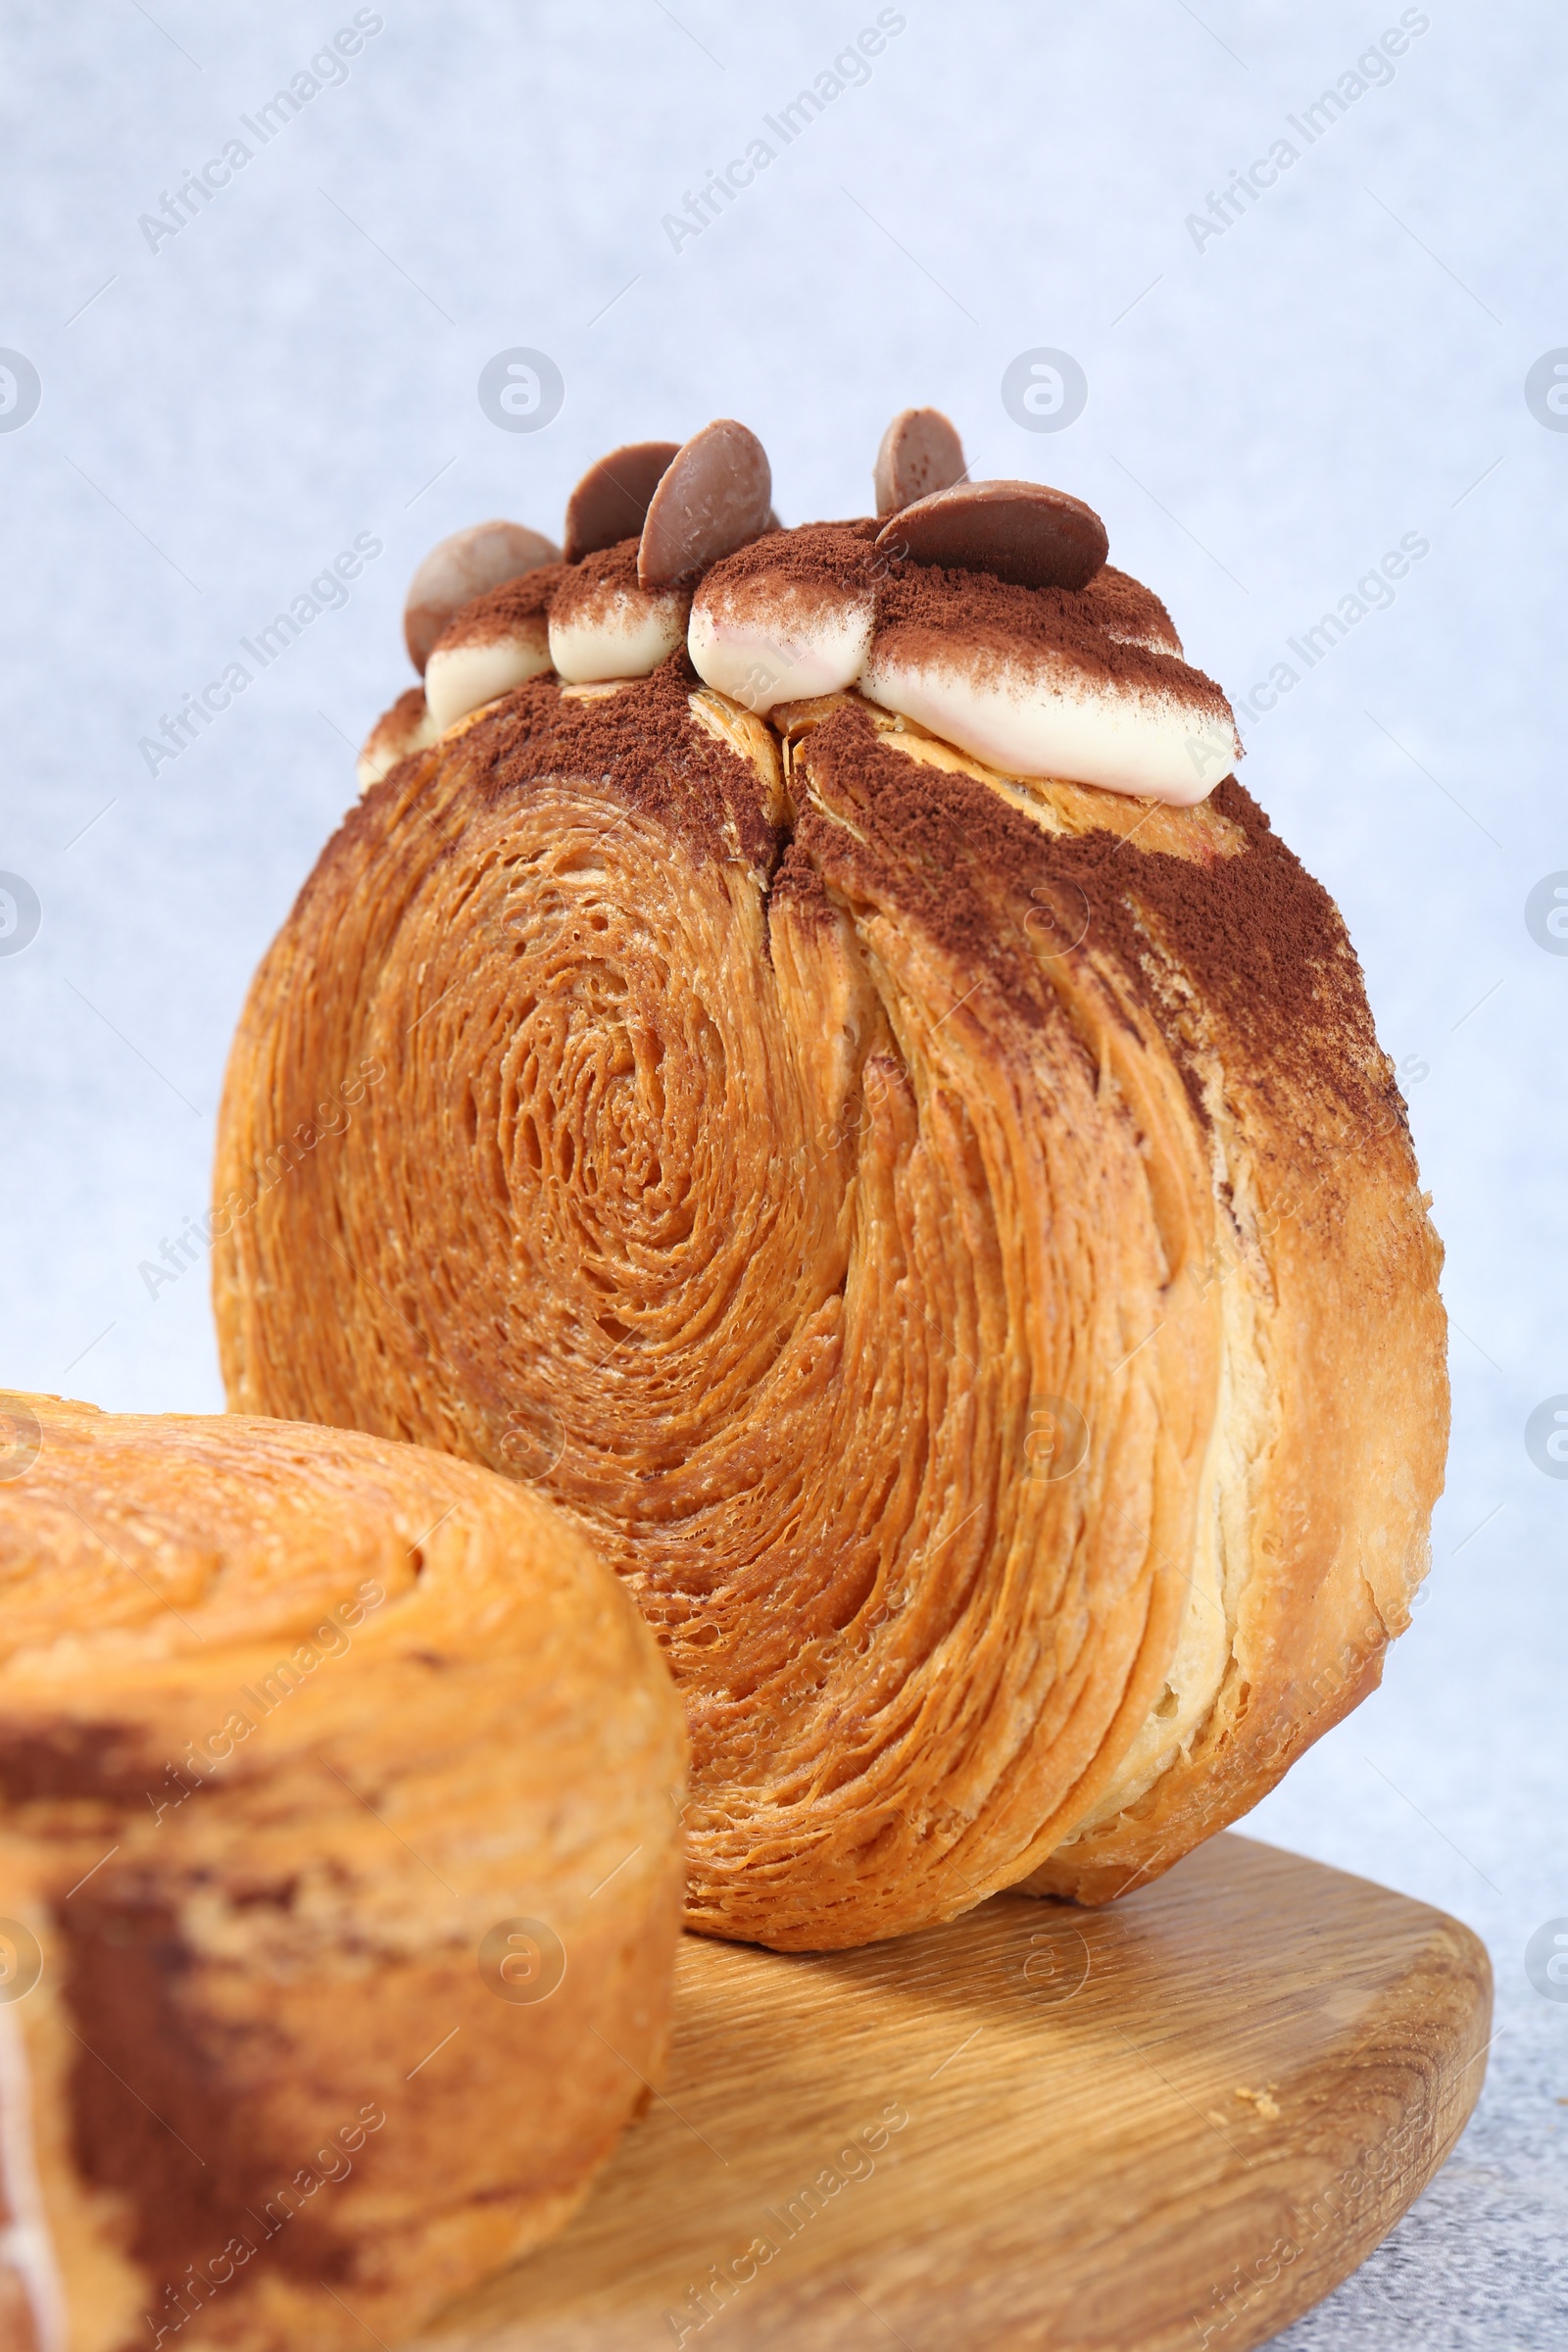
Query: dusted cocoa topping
[
  {"x": 642, "y": 743},
  {"x": 585, "y": 591},
  {"x": 517, "y": 608},
  {"x": 840, "y": 556},
  {"x": 405, "y": 728},
  {"x": 939, "y": 845},
  {"x": 983, "y": 612},
  {"x": 1261, "y": 912},
  {"x": 928, "y": 614},
  {"x": 406, "y": 712},
  {"x": 1262, "y": 944},
  {"x": 1125, "y": 608},
  {"x": 800, "y": 885},
  {"x": 604, "y": 625}
]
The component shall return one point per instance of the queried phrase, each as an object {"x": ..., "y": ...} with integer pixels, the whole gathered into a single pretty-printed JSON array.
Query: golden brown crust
[
  {"x": 949, "y": 1245},
  {"x": 291, "y": 1722}
]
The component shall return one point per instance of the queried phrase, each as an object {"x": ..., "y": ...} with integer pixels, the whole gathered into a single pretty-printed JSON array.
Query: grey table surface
[{"x": 1362, "y": 349}]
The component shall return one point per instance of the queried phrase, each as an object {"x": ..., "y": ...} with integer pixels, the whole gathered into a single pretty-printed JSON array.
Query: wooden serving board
[{"x": 1028, "y": 2128}]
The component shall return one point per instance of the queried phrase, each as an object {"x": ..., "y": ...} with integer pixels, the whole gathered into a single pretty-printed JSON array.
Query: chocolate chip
[
  {"x": 462, "y": 568},
  {"x": 921, "y": 454},
  {"x": 714, "y": 498},
  {"x": 1019, "y": 531},
  {"x": 611, "y": 502}
]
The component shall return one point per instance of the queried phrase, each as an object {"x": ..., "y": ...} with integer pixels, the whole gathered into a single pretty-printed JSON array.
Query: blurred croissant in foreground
[{"x": 339, "y": 1874}]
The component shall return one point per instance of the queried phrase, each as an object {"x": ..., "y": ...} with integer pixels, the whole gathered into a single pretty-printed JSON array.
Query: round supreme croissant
[
  {"x": 861, "y": 1107},
  {"x": 339, "y": 1879}
]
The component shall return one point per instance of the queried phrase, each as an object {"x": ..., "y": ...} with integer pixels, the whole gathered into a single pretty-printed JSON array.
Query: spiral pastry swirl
[{"x": 953, "y": 1243}]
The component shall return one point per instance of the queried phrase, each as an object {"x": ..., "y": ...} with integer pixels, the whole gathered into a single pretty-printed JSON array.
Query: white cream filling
[
  {"x": 388, "y": 743},
  {"x": 1026, "y": 722},
  {"x": 461, "y": 679},
  {"x": 628, "y": 639},
  {"x": 1025, "y": 717},
  {"x": 25, "y": 2245},
  {"x": 761, "y": 659}
]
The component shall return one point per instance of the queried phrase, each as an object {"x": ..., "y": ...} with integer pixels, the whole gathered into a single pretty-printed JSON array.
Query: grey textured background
[{"x": 1266, "y": 416}]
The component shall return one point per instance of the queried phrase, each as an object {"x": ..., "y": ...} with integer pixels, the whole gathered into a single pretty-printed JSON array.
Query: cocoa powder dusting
[
  {"x": 1124, "y": 608},
  {"x": 799, "y": 885},
  {"x": 814, "y": 555},
  {"x": 1262, "y": 944},
  {"x": 517, "y": 608},
  {"x": 586, "y": 589},
  {"x": 1261, "y": 941},
  {"x": 643, "y": 743},
  {"x": 928, "y": 613},
  {"x": 932, "y": 843}
]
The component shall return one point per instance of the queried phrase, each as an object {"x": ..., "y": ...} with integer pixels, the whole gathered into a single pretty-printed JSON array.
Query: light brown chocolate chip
[
  {"x": 921, "y": 454},
  {"x": 713, "y": 499},
  {"x": 1017, "y": 531},
  {"x": 611, "y": 502},
  {"x": 465, "y": 566}
]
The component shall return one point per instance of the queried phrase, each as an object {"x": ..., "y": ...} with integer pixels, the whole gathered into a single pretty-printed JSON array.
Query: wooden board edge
[{"x": 1354, "y": 2211}]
